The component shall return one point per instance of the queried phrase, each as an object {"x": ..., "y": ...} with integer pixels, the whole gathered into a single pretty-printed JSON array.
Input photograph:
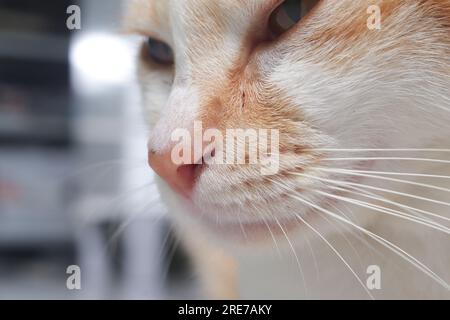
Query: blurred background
[{"x": 74, "y": 185}]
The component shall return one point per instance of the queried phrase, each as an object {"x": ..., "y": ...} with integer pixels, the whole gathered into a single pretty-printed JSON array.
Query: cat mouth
[{"x": 289, "y": 210}]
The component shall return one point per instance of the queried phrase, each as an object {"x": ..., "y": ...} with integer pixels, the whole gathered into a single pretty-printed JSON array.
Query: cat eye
[
  {"x": 160, "y": 52},
  {"x": 288, "y": 14}
]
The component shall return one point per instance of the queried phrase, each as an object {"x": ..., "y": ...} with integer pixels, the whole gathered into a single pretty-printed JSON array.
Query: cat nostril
[
  {"x": 189, "y": 174},
  {"x": 181, "y": 178}
]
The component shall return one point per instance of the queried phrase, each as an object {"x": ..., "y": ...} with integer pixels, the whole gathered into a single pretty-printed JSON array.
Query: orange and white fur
[{"x": 361, "y": 112}]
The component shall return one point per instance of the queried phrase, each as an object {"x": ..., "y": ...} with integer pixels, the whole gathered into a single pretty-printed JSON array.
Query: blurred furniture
[
  {"x": 35, "y": 119},
  {"x": 74, "y": 184}
]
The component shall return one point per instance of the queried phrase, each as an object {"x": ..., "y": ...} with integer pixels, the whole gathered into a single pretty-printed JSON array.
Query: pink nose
[{"x": 181, "y": 178}]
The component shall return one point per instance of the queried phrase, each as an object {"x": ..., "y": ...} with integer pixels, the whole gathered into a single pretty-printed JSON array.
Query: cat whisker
[
  {"x": 368, "y": 194},
  {"x": 418, "y": 175},
  {"x": 124, "y": 225},
  {"x": 241, "y": 225},
  {"x": 295, "y": 255},
  {"x": 350, "y": 172},
  {"x": 386, "y": 243},
  {"x": 330, "y": 245},
  {"x": 377, "y": 150},
  {"x": 358, "y": 234},
  {"x": 387, "y": 159},
  {"x": 355, "y": 185},
  {"x": 371, "y": 195},
  {"x": 388, "y": 211},
  {"x": 118, "y": 200},
  {"x": 337, "y": 253},
  {"x": 381, "y": 189},
  {"x": 263, "y": 217},
  {"x": 342, "y": 234},
  {"x": 170, "y": 254},
  {"x": 166, "y": 241},
  {"x": 313, "y": 255}
]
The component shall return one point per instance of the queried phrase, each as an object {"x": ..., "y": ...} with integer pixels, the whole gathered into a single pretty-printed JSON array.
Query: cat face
[{"x": 320, "y": 76}]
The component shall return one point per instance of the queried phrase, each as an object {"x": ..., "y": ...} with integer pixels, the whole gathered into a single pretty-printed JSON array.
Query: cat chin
[
  {"x": 235, "y": 234},
  {"x": 189, "y": 216}
]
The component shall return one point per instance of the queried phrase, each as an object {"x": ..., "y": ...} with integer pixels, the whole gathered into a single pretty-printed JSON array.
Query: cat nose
[{"x": 181, "y": 178}]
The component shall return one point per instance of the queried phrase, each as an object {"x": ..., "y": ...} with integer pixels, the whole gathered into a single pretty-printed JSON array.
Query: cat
[{"x": 359, "y": 93}]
